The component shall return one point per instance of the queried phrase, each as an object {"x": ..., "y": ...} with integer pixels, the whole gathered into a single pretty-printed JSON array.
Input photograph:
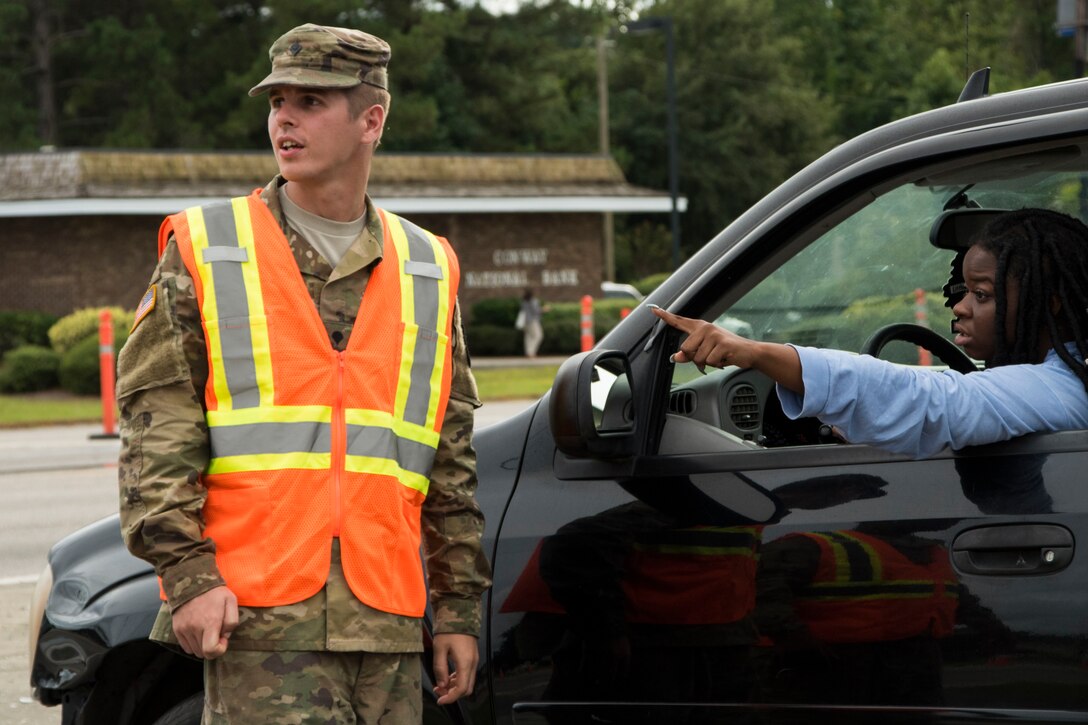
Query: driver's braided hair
[{"x": 1047, "y": 252}]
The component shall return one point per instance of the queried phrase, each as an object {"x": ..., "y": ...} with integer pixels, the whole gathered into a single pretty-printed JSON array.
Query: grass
[
  {"x": 55, "y": 407},
  {"x": 52, "y": 407},
  {"x": 514, "y": 383}
]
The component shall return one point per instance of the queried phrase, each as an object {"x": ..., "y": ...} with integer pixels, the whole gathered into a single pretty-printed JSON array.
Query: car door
[{"x": 702, "y": 558}]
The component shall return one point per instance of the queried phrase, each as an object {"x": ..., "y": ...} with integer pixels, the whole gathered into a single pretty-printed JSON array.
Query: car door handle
[{"x": 1023, "y": 549}]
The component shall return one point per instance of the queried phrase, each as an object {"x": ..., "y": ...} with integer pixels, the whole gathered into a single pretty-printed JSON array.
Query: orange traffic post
[
  {"x": 106, "y": 372},
  {"x": 587, "y": 323},
  {"x": 624, "y": 312},
  {"x": 921, "y": 317}
]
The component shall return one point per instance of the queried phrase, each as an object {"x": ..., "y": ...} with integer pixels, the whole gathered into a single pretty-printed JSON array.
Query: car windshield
[{"x": 877, "y": 266}]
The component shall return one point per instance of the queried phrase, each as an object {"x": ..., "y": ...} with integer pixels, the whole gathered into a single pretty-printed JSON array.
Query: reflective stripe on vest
[
  {"x": 248, "y": 432},
  {"x": 866, "y": 590},
  {"x": 859, "y": 574}
]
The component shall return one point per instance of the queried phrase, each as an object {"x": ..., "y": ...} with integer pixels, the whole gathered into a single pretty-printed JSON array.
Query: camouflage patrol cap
[{"x": 324, "y": 57}]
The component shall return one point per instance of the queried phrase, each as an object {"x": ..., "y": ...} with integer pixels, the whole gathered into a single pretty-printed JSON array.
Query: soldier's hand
[
  {"x": 461, "y": 650},
  {"x": 203, "y": 624}
]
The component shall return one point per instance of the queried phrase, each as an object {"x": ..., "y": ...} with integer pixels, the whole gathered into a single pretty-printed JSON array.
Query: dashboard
[{"x": 740, "y": 403}]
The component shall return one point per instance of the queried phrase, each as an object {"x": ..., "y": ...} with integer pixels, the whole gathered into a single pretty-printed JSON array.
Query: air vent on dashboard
[
  {"x": 682, "y": 402},
  {"x": 744, "y": 407}
]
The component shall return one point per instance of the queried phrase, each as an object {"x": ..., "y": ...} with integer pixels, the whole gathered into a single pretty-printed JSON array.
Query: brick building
[{"x": 78, "y": 228}]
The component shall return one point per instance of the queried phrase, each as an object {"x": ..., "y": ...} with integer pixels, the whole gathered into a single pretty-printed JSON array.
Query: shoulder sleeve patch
[{"x": 147, "y": 304}]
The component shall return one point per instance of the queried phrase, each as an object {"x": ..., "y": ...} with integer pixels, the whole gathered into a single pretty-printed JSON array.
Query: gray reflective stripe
[
  {"x": 232, "y": 305},
  {"x": 420, "y": 251},
  {"x": 225, "y": 254},
  {"x": 374, "y": 442},
  {"x": 423, "y": 269},
  {"x": 257, "y": 438},
  {"x": 425, "y": 290}
]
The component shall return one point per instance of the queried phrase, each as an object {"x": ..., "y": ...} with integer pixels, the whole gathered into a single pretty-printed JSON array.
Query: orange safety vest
[
  {"x": 865, "y": 590},
  {"x": 696, "y": 575},
  {"x": 308, "y": 443}
]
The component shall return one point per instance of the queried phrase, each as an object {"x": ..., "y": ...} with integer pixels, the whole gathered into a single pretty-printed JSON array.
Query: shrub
[
  {"x": 24, "y": 328},
  {"x": 81, "y": 324},
  {"x": 499, "y": 311},
  {"x": 29, "y": 368},
  {"x": 491, "y": 330},
  {"x": 493, "y": 340},
  {"x": 79, "y": 369}
]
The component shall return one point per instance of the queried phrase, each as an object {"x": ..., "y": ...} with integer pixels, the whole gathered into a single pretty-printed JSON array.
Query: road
[{"x": 53, "y": 481}]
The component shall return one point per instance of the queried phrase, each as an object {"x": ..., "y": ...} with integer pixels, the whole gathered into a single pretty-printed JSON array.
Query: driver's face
[{"x": 975, "y": 326}]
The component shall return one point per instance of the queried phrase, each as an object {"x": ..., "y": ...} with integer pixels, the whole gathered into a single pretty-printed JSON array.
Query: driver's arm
[{"x": 708, "y": 344}]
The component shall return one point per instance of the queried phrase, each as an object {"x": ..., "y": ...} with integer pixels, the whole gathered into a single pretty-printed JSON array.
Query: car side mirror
[{"x": 592, "y": 406}]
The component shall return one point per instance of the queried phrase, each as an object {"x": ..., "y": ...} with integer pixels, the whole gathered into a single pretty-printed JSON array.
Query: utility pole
[
  {"x": 665, "y": 25},
  {"x": 608, "y": 221},
  {"x": 1081, "y": 40},
  {"x": 43, "y": 72}
]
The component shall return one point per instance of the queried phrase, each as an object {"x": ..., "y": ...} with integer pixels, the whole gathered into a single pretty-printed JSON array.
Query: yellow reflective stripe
[
  {"x": 270, "y": 462},
  {"x": 843, "y": 571},
  {"x": 363, "y": 416},
  {"x": 407, "y": 314},
  {"x": 417, "y": 433},
  {"x": 402, "y": 428},
  {"x": 443, "y": 262},
  {"x": 198, "y": 235},
  {"x": 386, "y": 467},
  {"x": 271, "y": 414},
  {"x": 262, "y": 349},
  {"x": 400, "y": 243}
]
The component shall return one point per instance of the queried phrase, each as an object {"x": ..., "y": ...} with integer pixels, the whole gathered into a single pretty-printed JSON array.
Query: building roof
[{"x": 71, "y": 182}]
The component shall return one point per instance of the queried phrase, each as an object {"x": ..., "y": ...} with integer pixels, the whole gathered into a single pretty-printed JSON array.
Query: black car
[{"x": 669, "y": 548}]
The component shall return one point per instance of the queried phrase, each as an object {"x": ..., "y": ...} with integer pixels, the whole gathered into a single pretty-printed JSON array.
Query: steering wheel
[{"x": 923, "y": 337}]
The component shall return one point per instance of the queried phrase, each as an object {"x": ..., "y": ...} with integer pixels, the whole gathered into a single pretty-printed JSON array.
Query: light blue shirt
[{"x": 919, "y": 412}]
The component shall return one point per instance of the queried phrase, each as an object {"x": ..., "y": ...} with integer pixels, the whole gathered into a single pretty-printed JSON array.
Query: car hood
[{"x": 88, "y": 563}]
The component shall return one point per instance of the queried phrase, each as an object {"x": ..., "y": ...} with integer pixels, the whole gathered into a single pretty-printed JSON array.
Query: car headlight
[
  {"x": 37, "y": 609},
  {"x": 38, "y": 600},
  {"x": 59, "y": 658}
]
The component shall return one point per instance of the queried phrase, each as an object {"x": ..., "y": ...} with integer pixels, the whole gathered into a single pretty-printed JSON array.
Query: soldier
[{"x": 289, "y": 442}]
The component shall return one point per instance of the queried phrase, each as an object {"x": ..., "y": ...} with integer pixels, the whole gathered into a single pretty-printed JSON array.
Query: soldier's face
[{"x": 313, "y": 135}]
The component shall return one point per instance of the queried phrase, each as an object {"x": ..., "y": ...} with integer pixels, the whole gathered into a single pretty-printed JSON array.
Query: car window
[
  {"x": 872, "y": 268},
  {"x": 860, "y": 275}
]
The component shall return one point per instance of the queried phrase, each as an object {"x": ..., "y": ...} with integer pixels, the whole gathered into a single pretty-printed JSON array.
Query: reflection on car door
[{"x": 872, "y": 586}]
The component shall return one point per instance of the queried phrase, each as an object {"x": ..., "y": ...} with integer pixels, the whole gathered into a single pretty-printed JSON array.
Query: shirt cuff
[
  {"x": 189, "y": 579},
  {"x": 816, "y": 376},
  {"x": 457, "y": 616}
]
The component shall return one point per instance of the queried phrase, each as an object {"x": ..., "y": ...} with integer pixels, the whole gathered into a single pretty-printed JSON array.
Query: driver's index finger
[{"x": 684, "y": 324}]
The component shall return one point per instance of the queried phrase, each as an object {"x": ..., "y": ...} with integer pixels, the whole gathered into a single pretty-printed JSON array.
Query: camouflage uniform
[{"x": 163, "y": 369}]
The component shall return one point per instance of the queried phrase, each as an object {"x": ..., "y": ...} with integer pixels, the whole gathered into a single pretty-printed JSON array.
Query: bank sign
[{"x": 520, "y": 268}]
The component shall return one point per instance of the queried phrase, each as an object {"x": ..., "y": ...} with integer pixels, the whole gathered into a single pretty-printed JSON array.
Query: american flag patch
[{"x": 146, "y": 305}]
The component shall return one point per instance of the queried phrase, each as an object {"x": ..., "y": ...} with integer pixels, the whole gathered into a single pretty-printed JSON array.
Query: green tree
[
  {"x": 745, "y": 120},
  {"x": 18, "y": 122}
]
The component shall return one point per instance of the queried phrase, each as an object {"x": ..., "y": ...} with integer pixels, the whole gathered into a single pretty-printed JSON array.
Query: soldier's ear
[{"x": 373, "y": 123}]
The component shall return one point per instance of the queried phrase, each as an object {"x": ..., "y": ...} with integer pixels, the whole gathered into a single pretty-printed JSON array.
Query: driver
[{"x": 1023, "y": 311}]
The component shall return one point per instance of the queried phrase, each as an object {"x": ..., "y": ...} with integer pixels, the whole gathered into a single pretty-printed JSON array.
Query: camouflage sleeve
[
  {"x": 164, "y": 439},
  {"x": 457, "y": 571}
]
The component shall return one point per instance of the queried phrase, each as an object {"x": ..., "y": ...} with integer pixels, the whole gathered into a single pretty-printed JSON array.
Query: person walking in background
[
  {"x": 292, "y": 434},
  {"x": 529, "y": 322}
]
